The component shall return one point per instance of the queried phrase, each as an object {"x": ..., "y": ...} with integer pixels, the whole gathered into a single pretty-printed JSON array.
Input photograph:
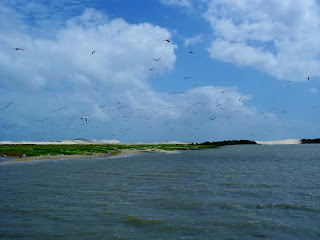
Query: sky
[{"x": 159, "y": 70}]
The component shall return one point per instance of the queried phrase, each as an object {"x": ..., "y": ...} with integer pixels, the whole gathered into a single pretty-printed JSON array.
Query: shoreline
[
  {"x": 23, "y": 151},
  {"x": 124, "y": 152}
]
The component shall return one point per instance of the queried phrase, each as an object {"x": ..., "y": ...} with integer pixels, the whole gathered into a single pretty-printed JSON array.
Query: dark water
[{"x": 234, "y": 192}]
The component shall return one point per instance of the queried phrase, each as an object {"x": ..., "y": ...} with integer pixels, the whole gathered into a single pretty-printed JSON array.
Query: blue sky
[{"x": 247, "y": 77}]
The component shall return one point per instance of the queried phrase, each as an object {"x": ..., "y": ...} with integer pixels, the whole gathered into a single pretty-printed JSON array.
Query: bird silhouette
[
  {"x": 17, "y": 49},
  {"x": 6, "y": 106},
  {"x": 86, "y": 118}
]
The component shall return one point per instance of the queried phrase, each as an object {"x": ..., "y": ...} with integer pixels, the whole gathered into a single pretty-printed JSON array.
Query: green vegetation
[
  {"x": 30, "y": 150},
  {"x": 229, "y": 142},
  {"x": 316, "y": 140}
]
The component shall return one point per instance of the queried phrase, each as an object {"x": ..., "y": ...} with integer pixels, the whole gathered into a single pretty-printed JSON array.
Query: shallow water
[{"x": 233, "y": 192}]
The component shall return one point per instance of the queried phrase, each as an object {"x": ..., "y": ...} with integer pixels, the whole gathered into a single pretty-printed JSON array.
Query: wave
[
  {"x": 141, "y": 222},
  {"x": 285, "y": 206}
]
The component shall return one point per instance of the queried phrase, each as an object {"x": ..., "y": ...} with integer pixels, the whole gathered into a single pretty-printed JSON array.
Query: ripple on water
[
  {"x": 209, "y": 194},
  {"x": 138, "y": 222},
  {"x": 286, "y": 206}
]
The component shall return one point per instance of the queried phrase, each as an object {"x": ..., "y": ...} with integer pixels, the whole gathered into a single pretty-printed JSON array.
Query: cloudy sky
[{"x": 103, "y": 70}]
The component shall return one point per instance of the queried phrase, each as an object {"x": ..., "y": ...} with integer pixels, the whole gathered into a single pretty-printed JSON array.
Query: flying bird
[
  {"x": 191, "y": 52},
  {"x": 231, "y": 41},
  {"x": 86, "y": 118},
  {"x": 17, "y": 49},
  {"x": 166, "y": 40},
  {"x": 187, "y": 77},
  {"x": 157, "y": 59},
  {"x": 6, "y": 106},
  {"x": 58, "y": 109},
  {"x": 93, "y": 52}
]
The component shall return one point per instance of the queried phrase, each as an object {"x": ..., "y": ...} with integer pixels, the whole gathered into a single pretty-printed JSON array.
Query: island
[{"x": 81, "y": 148}]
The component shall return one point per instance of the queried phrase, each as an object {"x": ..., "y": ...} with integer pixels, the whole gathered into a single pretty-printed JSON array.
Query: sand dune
[
  {"x": 280, "y": 142},
  {"x": 64, "y": 142}
]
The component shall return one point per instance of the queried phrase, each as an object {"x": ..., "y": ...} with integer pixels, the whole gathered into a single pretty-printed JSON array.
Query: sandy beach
[
  {"x": 281, "y": 142},
  {"x": 63, "y": 142}
]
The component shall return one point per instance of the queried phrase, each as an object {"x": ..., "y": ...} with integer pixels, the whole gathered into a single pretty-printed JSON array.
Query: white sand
[
  {"x": 280, "y": 142},
  {"x": 64, "y": 142}
]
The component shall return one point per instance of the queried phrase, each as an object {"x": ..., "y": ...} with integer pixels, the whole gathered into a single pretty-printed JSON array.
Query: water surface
[{"x": 233, "y": 192}]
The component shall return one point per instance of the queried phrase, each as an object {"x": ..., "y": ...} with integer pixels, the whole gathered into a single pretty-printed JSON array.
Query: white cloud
[
  {"x": 57, "y": 80},
  {"x": 178, "y": 3},
  {"x": 276, "y": 37},
  {"x": 122, "y": 55},
  {"x": 216, "y": 113},
  {"x": 313, "y": 90},
  {"x": 193, "y": 40},
  {"x": 61, "y": 71}
]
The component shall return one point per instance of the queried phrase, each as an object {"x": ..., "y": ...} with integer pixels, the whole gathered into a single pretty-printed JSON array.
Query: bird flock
[{"x": 166, "y": 117}]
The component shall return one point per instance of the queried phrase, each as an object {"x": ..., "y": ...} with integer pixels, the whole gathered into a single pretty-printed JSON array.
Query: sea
[{"x": 228, "y": 193}]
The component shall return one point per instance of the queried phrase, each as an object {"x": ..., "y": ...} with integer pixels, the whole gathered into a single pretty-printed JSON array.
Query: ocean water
[{"x": 233, "y": 192}]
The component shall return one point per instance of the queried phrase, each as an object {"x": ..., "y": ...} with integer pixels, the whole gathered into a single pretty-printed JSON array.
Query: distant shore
[
  {"x": 280, "y": 142},
  {"x": 23, "y": 151},
  {"x": 116, "y": 142},
  {"x": 83, "y": 142},
  {"x": 124, "y": 152}
]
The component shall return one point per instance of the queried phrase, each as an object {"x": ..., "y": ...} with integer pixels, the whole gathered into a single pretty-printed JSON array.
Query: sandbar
[{"x": 124, "y": 152}]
